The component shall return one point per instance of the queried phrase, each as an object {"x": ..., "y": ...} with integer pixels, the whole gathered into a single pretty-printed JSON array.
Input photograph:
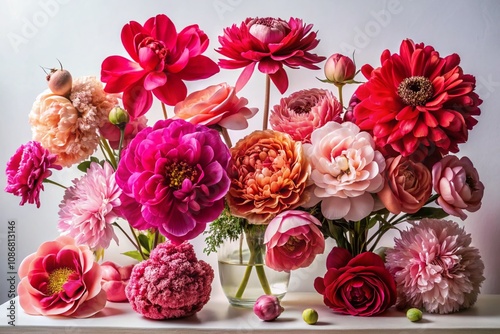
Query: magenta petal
[
  {"x": 199, "y": 67},
  {"x": 137, "y": 100},
  {"x": 172, "y": 92},
  {"x": 338, "y": 258},
  {"x": 165, "y": 31},
  {"x": 244, "y": 77},
  {"x": 154, "y": 80},
  {"x": 280, "y": 79}
]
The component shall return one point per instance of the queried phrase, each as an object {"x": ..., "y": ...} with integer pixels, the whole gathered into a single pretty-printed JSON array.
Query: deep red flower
[
  {"x": 162, "y": 59},
  {"x": 271, "y": 43},
  {"x": 417, "y": 102}
]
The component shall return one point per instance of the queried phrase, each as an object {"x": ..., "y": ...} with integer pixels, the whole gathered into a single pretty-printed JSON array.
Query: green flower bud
[
  {"x": 118, "y": 116},
  {"x": 310, "y": 316},
  {"x": 414, "y": 314}
]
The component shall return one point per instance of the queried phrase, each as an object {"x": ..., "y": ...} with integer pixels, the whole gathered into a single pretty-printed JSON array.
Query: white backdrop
[{"x": 82, "y": 33}]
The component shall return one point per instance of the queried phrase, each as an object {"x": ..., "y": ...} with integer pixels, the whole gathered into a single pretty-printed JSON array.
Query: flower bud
[
  {"x": 339, "y": 69},
  {"x": 268, "y": 29},
  {"x": 267, "y": 307},
  {"x": 118, "y": 116},
  {"x": 310, "y": 316},
  {"x": 414, "y": 314}
]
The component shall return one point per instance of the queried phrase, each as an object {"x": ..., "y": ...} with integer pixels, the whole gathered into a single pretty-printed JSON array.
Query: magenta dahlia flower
[
  {"x": 435, "y": 267},
  {"x": 272, "y": 43},
  {"x": 172, "y": 283},
  {"x": 27, "y": 169},
  {"x": 417, "y": 102},
  {"x": 174, "y": 178},
  {"x": 161, "y": 60}
]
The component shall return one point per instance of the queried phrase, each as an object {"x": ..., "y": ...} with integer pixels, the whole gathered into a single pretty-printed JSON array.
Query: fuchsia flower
[
  {"x": 161, "y": 60},
  {"x": 61, "y": 278},
  {"x": 114, "y": 280},
  {"x": 271, "y": 43},
  {"x": 27, "y": 169}
]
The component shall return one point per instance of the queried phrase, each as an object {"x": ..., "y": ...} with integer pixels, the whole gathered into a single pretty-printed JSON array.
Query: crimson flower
[
  {"x": 417, "y": 102},
  {"x": 162, "y": 59},
  {"x": 271, "y": 43}
]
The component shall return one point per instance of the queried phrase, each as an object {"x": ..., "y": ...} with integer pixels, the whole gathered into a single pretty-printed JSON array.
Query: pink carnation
[{"x": 172, "y": 283}]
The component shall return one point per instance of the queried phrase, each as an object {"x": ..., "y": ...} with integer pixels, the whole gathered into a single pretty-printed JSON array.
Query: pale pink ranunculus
[
  {"x": 304, "y": 111},
  {"x": 61, "y": 278},
  {"x": 293, "y": 239},
  {"x": 216, "y": 104},
  {"x": 115, "y": 279},
  {"x": 346, "y": 171},
  {"x": 457, "y": 183}
]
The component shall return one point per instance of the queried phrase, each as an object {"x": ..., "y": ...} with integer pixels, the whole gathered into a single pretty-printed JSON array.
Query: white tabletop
[{"x": 219, "y": 317}]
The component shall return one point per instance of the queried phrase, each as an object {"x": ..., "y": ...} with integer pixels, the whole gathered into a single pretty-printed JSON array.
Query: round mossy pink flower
[
  {"x": 173, "y": 176},
  {"x": 172, "y": 283}
]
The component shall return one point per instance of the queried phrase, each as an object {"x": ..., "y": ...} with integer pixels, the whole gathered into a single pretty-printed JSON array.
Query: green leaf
[
  {"x": 83, "y": 166},
  {"x": 226, "y": 227},
  {"x": 144, "y": 241},
  {"x": 134, "y": 254},
  {"x": 427, "y": 212}
]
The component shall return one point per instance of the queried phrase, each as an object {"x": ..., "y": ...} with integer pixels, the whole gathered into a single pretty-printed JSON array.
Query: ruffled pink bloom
[
  {"x": 435, "y": 267},
  {"x": 217, "y": 104},
  {"x": 304, "y": 111},
  {"x": 457, "y": 183},
  {"x": 27, "y": 169},
  {"x": 112, "y": 133},
  {"x": 271, "y": 43},
  {"x": 339, "y": 69},
  {"x": 90, "y": 207},
  {"x": 346, "y": 170},
  {"x": 161, "y": 60},
  {"x": 114, "y": 280},
  {"x": 293, "y": 239},
  {"x": 172, "y": 283},
  {"x": 173, "y": 176},
  {"x": 61, "y": 278}
]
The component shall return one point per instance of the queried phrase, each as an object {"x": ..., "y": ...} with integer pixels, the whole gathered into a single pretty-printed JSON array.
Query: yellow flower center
[
  {"x": 57, "y": 279},
  {"x": 177, "y": 172}
]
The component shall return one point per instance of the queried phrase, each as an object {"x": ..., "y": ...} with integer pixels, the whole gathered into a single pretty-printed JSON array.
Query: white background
[{"x": 83, "y": 33}]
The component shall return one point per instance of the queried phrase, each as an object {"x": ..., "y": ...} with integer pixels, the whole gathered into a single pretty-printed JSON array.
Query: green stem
[
  {"x": 266, "y": 102},
  {"x": 341, "y": 99},
  {"x": 263, "y": 279},
  {"x": 54, "y": 183},
  {"x": 111, "y": 155},
  {"x": 120, "y": 145},
  {"x": 226, "y": 137},
  {"x": 126, "y": 234},
  {"x": 246, "y": 277},
  {"x": 164, "y": 109},
  {"x": 157, "y": 238},
  {"x": 139, "y": 248}
]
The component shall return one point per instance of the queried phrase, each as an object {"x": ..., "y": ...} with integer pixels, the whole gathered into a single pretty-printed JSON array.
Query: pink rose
[
  {"x": 61, "y": 278},
  {"x": 357, "y": 286},
  {"x": 408, "y": 186},
  {"x": 114, "y": 280},
  {"x": 339, "y": 68},
  {"x": 457, "y": 183},
  {"x": 217, "y": 104},
  {"x": 293, "y": 240}
]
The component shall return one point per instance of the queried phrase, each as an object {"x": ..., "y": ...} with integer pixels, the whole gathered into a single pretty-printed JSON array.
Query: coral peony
[
  {"x": 417, "y": 102},
  {"x": 435, "y": 267},
  {"x": 346, "y": 170},
  {"x": 272, "y": 43},
  {"x": 304, "y": 111},
  {"x": 172, "y": 283},
  {"x": 173, "y": 176},
  {"x": 359, "y": 286},
  {"x": 293, "y": 239},
  {"x": 457, "y": 183},
  {"x": 90, "y": 207},
  {"x": 61, "y": 278},
  {"x": 114, "y": 280},
  {"x": 27, "y": 169},
  {"x": 217, "y": 104},
  {"x": 339, "y": 69},
  {"x": 408, "y": 185},
  {"x": 161, "y": 60},
  {"x": 268, "y": 175}
]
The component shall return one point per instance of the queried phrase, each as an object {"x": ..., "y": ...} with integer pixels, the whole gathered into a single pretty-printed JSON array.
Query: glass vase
[{"x": 243, "y": 273}]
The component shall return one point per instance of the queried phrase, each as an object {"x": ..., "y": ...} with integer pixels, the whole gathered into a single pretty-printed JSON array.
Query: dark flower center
[
  {"x": 301, "y": 107},
  {"x": 415, "y": 91},
  {"x": 57, "y": 279},
  {"x": 177, "y": 172}
]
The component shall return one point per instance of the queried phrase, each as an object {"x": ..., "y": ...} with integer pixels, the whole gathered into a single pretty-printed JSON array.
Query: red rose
[{"x": 356, "y": 286}]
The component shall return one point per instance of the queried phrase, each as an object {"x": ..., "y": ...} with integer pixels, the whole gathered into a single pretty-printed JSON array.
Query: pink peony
[
  {"x": 162, "y": 59},
  {"x": 90, "y": 207},
  {"x": 61, "y": 278},
  {"x": 217, "y": 104},
  {"x": 27, "y": 169},
  {"x": 435, "y": 267},
  {"x": 304, "y": 111},
  {"x": 114, "y": 280},
  {"x": 457, "y": 183},
  {"x": 173, "y": 176},
  {"x": 346, "y": 170},
  {"x": 339, "y": 69},
  {"x": 172, "y": 283},
  {"x": 293, "y": 239},
  {"x": 112, "y": 133}
]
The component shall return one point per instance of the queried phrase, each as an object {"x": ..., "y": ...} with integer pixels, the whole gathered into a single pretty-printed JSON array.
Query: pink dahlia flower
[
  {"x": 346, "y": 171},
  {"x": 61, "y": 278},
  {"x": 173, "y": 176},
  {"x": 112, "y": 133},
  {"x": 293, "y": 239},
  {"x": 114, "y": 280},
  {"x": 90, "y": 207},
  {"x": 272, "y": 43},
  {"x": 304, "y": 111},
  {"x": 172, "y": 283},
  {"x": 161, "y": 60},
  {"x": 27, "y": 169},
  {"x": 457, "y": 183},
  {"x": 435, "y": 267}
]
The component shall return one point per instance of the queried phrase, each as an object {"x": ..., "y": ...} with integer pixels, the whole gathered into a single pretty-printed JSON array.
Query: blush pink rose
[
  {"x": 293, "y": 239},
  {"x": 61, "y": 278},
  {"x": 114, "y": 280}
]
